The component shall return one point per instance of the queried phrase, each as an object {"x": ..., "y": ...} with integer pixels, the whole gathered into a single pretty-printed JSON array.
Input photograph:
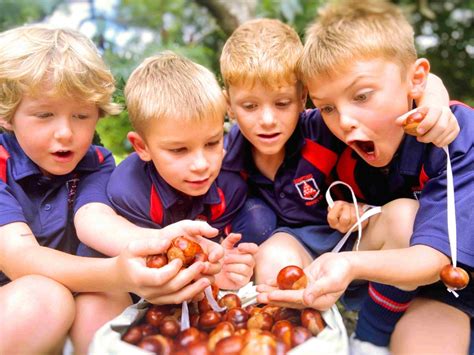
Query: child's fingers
[
  {"x": 211, "y": 268},
  {"x": 241, "y": 269},
  {"x": 184, "y": 294},
  {"x": 184, "y": 277},
  {"x": 238, "y": 279},
  {"x": 148, "y": 246},
  {"x": 229, "y": 242},
  {"x": 151, "y": 277},
  {"x": 294, "y": 297},
  {"x": 266, "y": 288},
  {"x": 215, "y": 252},
  {"x": 239, "y": 259},
  {"x": 249, "y": 248}
]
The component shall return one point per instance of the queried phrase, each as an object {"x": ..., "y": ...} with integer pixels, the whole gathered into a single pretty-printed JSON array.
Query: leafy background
[{"x": 127, "y": 31}]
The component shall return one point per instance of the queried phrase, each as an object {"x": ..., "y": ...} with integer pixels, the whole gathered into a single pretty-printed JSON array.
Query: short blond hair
[
  {"x": 171, "y": 86},
  {"x": 262, "y": 50},
  {"x": 348, "y": 30},
  {"x": 63, "y": 59}
]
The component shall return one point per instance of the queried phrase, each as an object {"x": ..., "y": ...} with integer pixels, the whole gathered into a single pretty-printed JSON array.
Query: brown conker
[
  {"x": 455, "y": 278},
  {"x": 186, "y": 250},
  {"x": 413, "y": 120},
  {"x": 156, "y": 261},
  {"x": 291, "y": 277}
]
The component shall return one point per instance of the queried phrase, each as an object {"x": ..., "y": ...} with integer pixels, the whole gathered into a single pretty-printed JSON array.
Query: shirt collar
[
  {"x": 23, "y": 166},
  {"x": 170, "y": 196}
]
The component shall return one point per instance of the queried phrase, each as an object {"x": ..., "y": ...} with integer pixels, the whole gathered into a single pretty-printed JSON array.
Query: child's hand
[
  {"x": 342, "y": 216},
  {"x": 198, "y": 231},
  {"x": 238, "y": 263},
  {"x": 166, "y": 285},
  {"x": 438, "y": 126},
  {"x": 328, "y": 277},
  {"x": 269, "y": 293}
]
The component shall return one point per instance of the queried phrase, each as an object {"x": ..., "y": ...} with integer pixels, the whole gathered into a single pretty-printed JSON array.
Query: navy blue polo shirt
[
  {"x": 141, "y": 195},
  {"x": 418, "y": 171},
  {"x": 297, "y": 192},
  {"x": 42, "y": 202}
]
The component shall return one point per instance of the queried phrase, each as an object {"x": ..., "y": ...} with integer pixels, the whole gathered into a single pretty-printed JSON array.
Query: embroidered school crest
[{"x": 307, "y": 187}]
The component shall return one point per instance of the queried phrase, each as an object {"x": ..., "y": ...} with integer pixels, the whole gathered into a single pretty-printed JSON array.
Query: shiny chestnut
[
  {"x": 312, "y": 320},
  {"x": 455, "y": 278},
  {"x": 187, "y": 250},
  {"x": 231, "y": 300},
  {"x": 156, "y": 261},
  {"x": 291, "y": 277},
  {"x": 413, "y": 120}
]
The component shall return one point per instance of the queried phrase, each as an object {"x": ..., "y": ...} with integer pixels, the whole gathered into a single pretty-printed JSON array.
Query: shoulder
[
  {"x": 231, "y": 183},
  {"x": 129, "y": 177}
]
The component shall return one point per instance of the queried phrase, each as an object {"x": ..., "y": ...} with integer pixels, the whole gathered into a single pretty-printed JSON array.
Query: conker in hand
[
  {"x": 156, "y": 261},
  {"x": 187, "y": 250},
  {"x": 291, "y": 277},
  {"x": 455, "y": 278},
  {"x": 413, "y": 120}
]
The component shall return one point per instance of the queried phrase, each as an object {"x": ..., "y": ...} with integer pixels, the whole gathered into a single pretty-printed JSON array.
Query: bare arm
[
  {"x": 407, "y": 268},
  {"x": 101, "y": 228}
]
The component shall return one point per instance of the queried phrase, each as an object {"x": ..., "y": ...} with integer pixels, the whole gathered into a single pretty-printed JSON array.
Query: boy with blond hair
[
  {"x": 361, "y": 68},
  {"x": 177, "y": 110},
  {"x": 54, "y": 87},
  {"x": 289, "y": 154}
]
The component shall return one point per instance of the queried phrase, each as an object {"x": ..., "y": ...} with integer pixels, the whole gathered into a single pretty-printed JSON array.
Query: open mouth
[
  {"x": 63, "y": 153},
  {"x": 268, "y": 136},
  {"x": 367, "y": 147}
]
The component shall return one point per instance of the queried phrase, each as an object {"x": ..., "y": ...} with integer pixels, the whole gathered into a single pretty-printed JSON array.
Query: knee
[
  {"x": 31, "y": 302},
  {"x": 399, "y": 216},
  {"x": 43, "y": 296},
  {"x": 256, "y": 221}
]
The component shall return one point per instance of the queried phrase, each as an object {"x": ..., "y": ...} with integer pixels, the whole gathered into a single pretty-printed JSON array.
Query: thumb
[
  {"x": 148, "y": 246},
  {"x": 231, "y": 240}
]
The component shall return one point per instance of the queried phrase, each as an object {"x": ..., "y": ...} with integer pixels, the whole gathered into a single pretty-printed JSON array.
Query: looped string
[
  {"x": 451, "y": 213},
  {"x": 185, "y": 323},
  {"x": 368, "y": 210}
]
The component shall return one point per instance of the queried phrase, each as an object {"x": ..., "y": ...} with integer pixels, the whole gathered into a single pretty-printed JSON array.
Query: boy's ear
[
  {"x": 5, "y": 125},
  {"x": 230, "y": 113},
  {"x": 304, "y": 97},
  {"x": 140, "y": 146},
  {"x": 418, "y": 78}
]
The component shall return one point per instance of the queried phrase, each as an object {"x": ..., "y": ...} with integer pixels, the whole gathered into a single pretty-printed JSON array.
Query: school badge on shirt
[{"x": 307, "y": 189}]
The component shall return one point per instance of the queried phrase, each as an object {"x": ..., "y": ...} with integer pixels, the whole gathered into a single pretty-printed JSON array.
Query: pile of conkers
[{"x": 262, "y": 329}]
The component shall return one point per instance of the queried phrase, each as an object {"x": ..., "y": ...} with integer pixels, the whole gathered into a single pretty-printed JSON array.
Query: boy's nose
[
  {"x": 63, "y": 130},
  {"x": 268, "y": 117},
  {"x": 347, "y": 122},
  {"x": 199, "y": 162}
]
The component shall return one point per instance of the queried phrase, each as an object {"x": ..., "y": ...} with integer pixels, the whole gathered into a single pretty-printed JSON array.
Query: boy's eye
[
  {"x": 80, "y": 116},
  {"x": 361, "y": 97},
  {"x": 249, "y": 106},
  {"x": 213, "y": 143},
  {"x": 283, "y": 103},
  {"x": 178, "y": 150},
  {"x": 326, "y": 109},
  {"x": 43, "y": 114}
]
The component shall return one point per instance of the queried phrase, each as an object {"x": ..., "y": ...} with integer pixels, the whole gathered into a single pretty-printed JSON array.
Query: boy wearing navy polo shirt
[
  {"x": 361, "y": 87},
  {"x": 53, "y": 88},
  {"x": 288, "y": 155},
  {"x": 177, "y": 110}
]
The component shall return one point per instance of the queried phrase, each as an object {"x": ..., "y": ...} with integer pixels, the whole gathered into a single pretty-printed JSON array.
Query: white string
[
  {"x": 212, "y": 302},
  {"x": 451, "y": 213},
  {"x": 368, "y": 210},
  {"x": 185, "y": 324}
]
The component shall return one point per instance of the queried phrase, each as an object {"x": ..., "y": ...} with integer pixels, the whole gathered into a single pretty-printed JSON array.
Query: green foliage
[{"x": 189, "y": 29}]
